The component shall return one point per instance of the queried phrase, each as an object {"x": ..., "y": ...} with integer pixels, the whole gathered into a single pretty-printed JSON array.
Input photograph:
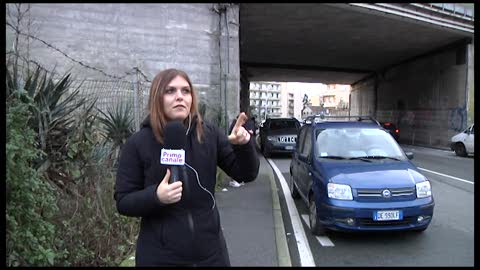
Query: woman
[{"x": 176, "y": 230}]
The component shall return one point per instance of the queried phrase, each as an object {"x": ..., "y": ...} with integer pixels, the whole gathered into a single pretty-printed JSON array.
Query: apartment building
[
  {"x": 333, "y": 100},
  {"x": 285, "y": 99},
  {"x": 265, "y": 100}
]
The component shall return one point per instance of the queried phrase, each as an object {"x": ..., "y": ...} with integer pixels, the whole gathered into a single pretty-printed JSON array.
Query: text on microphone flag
[{"x": 172, "y": 157}]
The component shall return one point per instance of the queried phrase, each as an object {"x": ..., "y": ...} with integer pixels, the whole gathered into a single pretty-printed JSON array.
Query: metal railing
[
  {"x": 447, "y": 17},
  {"x": 322, "y": 117}
]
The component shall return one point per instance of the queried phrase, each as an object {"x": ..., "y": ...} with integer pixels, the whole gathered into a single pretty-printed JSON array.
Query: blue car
[{"x": 354, "y": 176}]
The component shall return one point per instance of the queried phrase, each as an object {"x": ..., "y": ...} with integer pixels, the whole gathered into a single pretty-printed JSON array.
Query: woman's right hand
[
  {"x": 169, "y": 193},
  {"x": 239, "y": 134}
]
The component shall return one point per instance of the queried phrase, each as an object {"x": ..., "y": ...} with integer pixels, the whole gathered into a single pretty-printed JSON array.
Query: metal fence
[
  {"x": 132, "y": 90},
  {"x": 111, "y": 93},
  {"x": 107, "y": 92}
]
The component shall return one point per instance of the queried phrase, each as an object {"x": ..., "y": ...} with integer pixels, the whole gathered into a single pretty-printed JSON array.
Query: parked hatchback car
[
  {"x": 278, "y": 135},
  {"x": 464, "y": 142},
  {"x": 354, "y": 176}
]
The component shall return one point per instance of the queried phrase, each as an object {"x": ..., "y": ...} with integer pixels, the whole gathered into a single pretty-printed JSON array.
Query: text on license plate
[{"x": 387, "y": 215}]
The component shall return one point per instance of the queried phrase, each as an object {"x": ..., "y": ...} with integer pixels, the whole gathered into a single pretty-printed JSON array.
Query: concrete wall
[
  {"x": 427, "y": 98},
  {"x": 230, "y": 61},
  {"x": 362, "y": 98},
  {"x": 471, "y": 85},
  {"x": 114, "y": 38}
]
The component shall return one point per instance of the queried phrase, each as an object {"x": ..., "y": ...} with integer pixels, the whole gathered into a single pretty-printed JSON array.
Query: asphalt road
[{"x": 449, "y": 240}]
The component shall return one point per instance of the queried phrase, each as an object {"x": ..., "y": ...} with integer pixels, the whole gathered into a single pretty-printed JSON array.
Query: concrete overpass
[
  {"x": 407, "y": 63},
  {"x": 411, "y": 64},
  {"x": 341, "y": 43}
]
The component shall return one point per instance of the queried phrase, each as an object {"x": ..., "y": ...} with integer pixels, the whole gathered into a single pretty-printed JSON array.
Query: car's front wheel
[
  {"x": 315, "y": 227},
  {"x": 460, "y": 150},
  {"x": 293, "y": 189}
]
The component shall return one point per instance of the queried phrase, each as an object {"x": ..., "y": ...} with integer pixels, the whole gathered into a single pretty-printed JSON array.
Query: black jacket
[{"x": 187, "y": 232}]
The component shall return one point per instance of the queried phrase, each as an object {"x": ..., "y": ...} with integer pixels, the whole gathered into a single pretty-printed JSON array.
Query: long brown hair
[{"x": 155, "y": 103}]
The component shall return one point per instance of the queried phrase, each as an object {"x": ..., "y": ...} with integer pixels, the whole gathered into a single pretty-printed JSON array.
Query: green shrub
[
  {"x": 93, "y": 231},
  {"x": 222, "y": 180},
  {"x": 31, "y": 202},
  {"x": 60, "y": 183},
  {"x": 117, "y": 126}
]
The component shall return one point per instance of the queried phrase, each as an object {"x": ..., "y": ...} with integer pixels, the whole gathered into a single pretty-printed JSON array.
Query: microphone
[{"x": 173, "y": 153}]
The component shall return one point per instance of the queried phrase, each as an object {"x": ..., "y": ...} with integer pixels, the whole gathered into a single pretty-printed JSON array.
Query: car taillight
[
  {"x": 387, "y": 124},
  {"x": 397, "y": 130}
]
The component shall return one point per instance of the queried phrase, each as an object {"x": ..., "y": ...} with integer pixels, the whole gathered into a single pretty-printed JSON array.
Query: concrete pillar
[
  {"x": 229, "y": 47},
  {"x": 470, "y": 87}
]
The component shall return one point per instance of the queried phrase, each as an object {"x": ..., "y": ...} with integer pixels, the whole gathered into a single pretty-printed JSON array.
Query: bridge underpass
[{"x": 407, "y": 63}]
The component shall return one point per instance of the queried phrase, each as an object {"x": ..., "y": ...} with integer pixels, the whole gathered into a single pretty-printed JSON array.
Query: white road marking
[
  {"x": 446, "y": 175},
  {"x": 323, "y": 240},
  {"x": 306, "y": 257},
  {"x": 420, "y": 148}
]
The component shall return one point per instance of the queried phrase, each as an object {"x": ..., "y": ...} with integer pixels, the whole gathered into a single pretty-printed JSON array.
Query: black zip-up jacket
[{"x": 187, "y": 232}]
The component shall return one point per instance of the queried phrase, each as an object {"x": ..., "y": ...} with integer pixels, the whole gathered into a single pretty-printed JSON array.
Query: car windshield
[
  {"x": 284, "y": 124},
  {"x": 348, "y": 143}
]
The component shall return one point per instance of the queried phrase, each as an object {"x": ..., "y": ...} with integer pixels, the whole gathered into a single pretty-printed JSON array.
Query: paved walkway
[{"x": 252, "y": 221}]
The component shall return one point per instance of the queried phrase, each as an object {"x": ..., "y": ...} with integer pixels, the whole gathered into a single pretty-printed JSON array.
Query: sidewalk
[{"x": 252, "y": 222}]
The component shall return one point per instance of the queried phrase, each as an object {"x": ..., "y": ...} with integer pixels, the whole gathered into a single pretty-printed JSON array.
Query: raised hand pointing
[{"x": 239, "y": 134}]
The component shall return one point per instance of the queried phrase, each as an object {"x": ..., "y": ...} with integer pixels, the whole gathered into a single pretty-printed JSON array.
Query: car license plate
[
  {"x": 387, "y": 215},
  {"x": 288, "y": 147}
]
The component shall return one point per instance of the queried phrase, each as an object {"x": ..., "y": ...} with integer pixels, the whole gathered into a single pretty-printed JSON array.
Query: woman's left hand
[{"x": 239, "y": 134}]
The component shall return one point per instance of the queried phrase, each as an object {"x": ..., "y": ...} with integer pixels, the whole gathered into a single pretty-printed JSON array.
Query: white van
[{"x": 463, "y": 143}]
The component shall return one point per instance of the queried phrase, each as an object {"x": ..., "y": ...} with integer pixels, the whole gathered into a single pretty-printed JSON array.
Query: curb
[{"x": 283, "y": 253}]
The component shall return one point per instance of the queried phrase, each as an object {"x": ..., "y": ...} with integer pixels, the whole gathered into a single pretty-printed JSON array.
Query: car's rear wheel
[
  {"x": 315, "y": 226},
  {"x": 293, "y": 189},
  {"x": 460, "y": 150}
]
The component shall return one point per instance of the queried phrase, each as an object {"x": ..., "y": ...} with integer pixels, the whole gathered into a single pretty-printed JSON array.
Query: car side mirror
[{"x": 409, "y": 155}]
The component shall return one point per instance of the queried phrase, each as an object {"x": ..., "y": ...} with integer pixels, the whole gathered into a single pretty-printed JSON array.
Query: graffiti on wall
[
  {"x": 407, "y": 118},
  {"x": 457, "y": 119}
]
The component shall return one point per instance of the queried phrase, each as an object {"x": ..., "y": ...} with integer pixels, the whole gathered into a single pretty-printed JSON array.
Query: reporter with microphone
[{"x": 167, "y": 174}]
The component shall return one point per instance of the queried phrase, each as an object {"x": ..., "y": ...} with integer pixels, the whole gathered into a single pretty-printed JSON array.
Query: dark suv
[
  {"x": 392, "y": 129},
  {"x": 354, "y": 176},
  {"x": 278, "y": 135}
]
